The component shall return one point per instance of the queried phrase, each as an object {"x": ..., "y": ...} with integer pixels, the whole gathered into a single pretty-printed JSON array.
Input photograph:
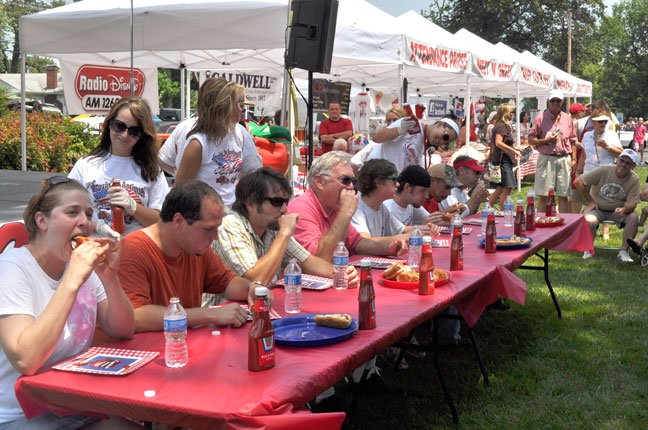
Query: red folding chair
[{"x": 13, "y": 235}]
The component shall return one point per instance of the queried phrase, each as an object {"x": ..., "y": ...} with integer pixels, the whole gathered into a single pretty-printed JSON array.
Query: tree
[{"x": 10, "y": 13}]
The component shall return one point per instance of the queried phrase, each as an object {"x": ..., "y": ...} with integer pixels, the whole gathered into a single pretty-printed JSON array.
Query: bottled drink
[
  {"x": 508, "y": 211},
  {"x": 117, "y": 212},
  {"x": 550, "y": 209},
  {"x": 410, "y": 113},
  {"x": 340, "y": 263},
  {"x": 366, "y": 298},
  {"x": 261, "y": 351},
  {"x": 426, "y": 269},
  {"x": 485, "y": 210},
  {"x": 456, "y": 247},
  {"x": 415, "y": 243},
  {"x": 175, "y": 333},
  {"x": 491, "y": 233},
  {"x": 519, "y": 227},
  {"x": 292, "y": 284},
  {"x": 530, "y": 211}
]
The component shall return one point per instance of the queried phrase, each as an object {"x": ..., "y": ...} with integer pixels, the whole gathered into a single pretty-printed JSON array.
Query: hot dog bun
[{"x": 333, "y": 320}]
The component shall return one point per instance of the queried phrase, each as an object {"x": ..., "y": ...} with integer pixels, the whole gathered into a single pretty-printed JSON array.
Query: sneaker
[
  {"x": 414, "y": 353},
  {"x": 391, "y": 355},
  {"x": 625, "y": 257},
  {"x": 587, "y": 255},
  {"x": 634, "y": 246}
]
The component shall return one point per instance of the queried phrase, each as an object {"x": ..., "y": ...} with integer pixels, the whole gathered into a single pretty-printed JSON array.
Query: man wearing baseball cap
[
  {"x": 468, "y": 173},
  {"x": 553, "y": 135},
  {"x": 577, "y": 110},
  {"x": 407, "y": 204},
  {"x": 443, "y": 180},
  {"x": 613, "y": 196}
]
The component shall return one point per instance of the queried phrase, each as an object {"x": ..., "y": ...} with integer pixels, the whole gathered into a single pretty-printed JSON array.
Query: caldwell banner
[
  {"x": 263, "y": 88},
  {"x": 436, "y": 57},
  {"x": 94, "y": 89}
]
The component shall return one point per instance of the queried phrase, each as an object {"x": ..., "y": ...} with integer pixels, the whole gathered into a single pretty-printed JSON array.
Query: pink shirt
[
  {"x": 544, "y": 124},
  {"x": 314, "y": 223},
  {"x": 639, "y": 133}
]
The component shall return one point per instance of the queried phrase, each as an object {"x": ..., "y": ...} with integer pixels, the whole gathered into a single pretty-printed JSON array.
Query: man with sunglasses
[
  {"x": 468, "y": 173},
  {"x": 256, "y": 241},
  {"x": 396, "y": 144},
  {"x": 553, "y": 135},
  {"x": 326, "y": 209},
  {"x": 612, "y": 193}
]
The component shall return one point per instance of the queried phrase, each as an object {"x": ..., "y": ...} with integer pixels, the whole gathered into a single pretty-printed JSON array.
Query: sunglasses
[
  {"x": 277, "y": 201},
  {"x": 555, "y": 101},
  {"x": 51, "y": 182},
  {"x": 601, "y": 122},
  {"x": 345, "y": 180},
  {"x": 118, "y": 127}
]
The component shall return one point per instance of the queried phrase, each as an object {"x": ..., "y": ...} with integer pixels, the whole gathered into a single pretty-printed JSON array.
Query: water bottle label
[
  {"x": 340, "y": 261},
  {"x": 484, "y": 214},
  {"x": 508, "y": 207},
  {"x": 415, "y": 241},
  {"x": 292, "y": 280},
  {"x": 175, "y": 325}
]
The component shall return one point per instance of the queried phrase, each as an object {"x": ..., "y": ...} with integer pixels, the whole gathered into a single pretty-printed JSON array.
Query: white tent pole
[
  {"x": 183, "y": 112},
  {"x": 188, "y": 93},
  {"x": 132, "y": 78},
  {"x": 401, "y": 77},
  {"x": 517, "y": 131},
  {"x": 467, "y": 109},
  {"x": 23, "y": 115}
]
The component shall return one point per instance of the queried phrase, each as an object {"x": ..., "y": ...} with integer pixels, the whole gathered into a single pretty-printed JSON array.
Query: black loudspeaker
[{"x": 312, "y": 33}]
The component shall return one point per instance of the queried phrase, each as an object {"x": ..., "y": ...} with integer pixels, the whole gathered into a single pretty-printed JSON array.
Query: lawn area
[{"x": 587, "y": 370}]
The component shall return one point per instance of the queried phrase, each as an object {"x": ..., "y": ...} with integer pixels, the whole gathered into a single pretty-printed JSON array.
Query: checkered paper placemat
[
  {"x": 441, "y": 243},
  {"x": 107, "y": 361},
  {"x": 377, "y": 262},
  {"x": 448, "y": 230},
  {"x": 310, "y": 282}
]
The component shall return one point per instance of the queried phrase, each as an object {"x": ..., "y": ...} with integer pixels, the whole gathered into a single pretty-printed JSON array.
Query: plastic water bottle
[
  {"x": 415, "y": 244},
  {"x": 508, "y": 211},
  {"x": 175, "y": 332},
  {"x": 292, "y": 284},
  {"x": 340, "y": 263},
  {"x": 485, "y": 210}
]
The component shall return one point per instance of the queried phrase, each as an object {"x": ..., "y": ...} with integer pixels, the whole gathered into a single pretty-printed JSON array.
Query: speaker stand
[{"x": 309, "y": 113}]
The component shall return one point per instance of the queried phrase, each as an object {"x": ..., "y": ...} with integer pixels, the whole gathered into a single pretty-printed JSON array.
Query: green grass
[{"x": 587, "y": 370}]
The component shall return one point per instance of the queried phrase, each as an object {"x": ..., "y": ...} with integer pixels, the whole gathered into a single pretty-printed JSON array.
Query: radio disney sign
[
  {"x": 95, "y": 88},
  {"x": 99, "y": 87}
]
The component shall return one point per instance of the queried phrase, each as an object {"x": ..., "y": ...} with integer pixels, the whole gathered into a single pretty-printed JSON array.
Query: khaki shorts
[
  {"x": 552, "y": 170},
  {"x": 619, "y": 220}
]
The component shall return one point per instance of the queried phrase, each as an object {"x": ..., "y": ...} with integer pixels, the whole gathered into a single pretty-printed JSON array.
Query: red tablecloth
[{"x": 215, "y": 389}]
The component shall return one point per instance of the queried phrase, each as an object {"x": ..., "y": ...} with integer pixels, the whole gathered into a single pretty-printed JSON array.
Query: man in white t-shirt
[
  {"x": 406, "y": 206},
  {"x": 468, "y": 173}
]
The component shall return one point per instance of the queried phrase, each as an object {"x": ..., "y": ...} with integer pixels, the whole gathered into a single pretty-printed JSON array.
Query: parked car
[
  {"x": 35, "y": 106},
  {"x": 164, "y": 130},
  {"x": 94, "y": 123}
]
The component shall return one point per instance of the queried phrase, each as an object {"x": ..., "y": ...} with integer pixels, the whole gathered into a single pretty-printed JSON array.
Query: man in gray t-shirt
[{"x": 406, "y": 206}]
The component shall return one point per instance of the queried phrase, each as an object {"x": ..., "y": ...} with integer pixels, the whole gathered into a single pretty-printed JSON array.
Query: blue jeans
[{"x": 49, "y": 421}]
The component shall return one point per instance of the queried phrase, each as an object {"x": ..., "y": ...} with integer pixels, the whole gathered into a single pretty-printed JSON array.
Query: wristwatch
[{"x": 255, "y": 283}]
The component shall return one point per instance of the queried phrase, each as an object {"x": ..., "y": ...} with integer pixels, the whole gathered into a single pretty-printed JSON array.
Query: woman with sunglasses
[
  {"x": 52, "y": 294},
  {"x": 214, "y": 152},
  {"x": 127, "y": 151},
  {"x": 392, "y": 115},
  {"x": 404, "y": 141},
  {"x": 503, "y": 153}
]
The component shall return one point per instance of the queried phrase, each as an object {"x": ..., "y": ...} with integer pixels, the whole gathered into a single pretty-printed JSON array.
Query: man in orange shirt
[{"x": 174, "y": 258}]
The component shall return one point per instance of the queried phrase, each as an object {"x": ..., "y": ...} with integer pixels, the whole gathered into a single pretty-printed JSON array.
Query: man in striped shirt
[{"x": 256, "y": 239}]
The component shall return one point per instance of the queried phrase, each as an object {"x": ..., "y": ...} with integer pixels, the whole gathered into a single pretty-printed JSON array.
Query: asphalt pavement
[{"x": 16, "y": 188}]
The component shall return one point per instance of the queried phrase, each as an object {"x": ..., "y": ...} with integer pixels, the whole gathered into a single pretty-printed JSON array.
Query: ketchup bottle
[
  {"x": 426, "y": 268},
  {"x": 519, "y": 225},
  {"x": 413, "y": 117},
  {"x": 491, "y": 233},
  {"x": 117, "y": 213},
  {"x": 261, "y": 348},
  {"x": 456, "y": 246},
  {"x": 550, "y": 208},
  {"x": 530, "y": 212},
  {"x": 366, "y": 298}
]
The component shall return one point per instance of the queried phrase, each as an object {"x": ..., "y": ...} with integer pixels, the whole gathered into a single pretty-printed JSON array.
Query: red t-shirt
[
  {"x": 431, "y": 205},
  {"x": 331, "y": 127}
]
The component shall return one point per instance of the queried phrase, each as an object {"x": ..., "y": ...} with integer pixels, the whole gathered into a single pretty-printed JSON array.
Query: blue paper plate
[
  {"x": 301, "y": 330},
  {"x": 482, "y": 243}
]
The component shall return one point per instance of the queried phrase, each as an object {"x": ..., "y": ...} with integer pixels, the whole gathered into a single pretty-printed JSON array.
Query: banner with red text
[
  {"x": 534, "y": 76},
  {"x": 436, "y": 57},
  {"x": 495, "y": 69},
  {"x": 94, "y": 89}
]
